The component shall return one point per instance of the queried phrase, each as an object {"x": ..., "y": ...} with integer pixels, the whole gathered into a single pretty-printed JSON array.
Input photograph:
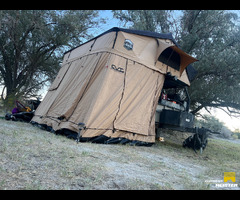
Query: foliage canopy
[{"x": 32, "y": 43}]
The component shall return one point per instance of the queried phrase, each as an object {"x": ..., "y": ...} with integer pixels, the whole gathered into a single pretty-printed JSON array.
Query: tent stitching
[
  {"x": 153, "y": 110},
  {"x": 117, "y": 55},
  {"x": 85, "y": 89},
  {"x": 115, "y": 40},
  {"x": 57, "y": 87},
  {"x": 119, "y": 105}
]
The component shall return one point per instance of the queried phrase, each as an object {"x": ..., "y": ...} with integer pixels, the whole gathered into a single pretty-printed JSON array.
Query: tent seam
[
  {"x": 86, "y": 86},
  {"x": 120, "y": 102},
  {"x": 117, "y": 55}
]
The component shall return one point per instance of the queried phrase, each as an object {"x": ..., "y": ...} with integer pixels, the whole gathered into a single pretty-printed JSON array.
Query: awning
[{"x": 185, "y": 59}]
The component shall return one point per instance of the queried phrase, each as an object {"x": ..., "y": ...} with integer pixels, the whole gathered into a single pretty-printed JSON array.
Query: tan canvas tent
[{"x": 112, "y": 84}]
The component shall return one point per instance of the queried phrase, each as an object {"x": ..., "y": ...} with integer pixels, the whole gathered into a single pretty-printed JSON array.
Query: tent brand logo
[
  {"x": 119, "y": 69},
  {"x": 229, "y": 176},
  {"x": 128, "y": 44}
]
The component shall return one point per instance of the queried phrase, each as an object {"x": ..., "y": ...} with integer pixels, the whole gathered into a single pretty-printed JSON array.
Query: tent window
[{"x": 170, "y": 58}]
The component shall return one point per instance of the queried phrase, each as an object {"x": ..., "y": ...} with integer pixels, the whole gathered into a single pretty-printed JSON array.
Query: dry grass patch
[{"x": 31, "y": 158}]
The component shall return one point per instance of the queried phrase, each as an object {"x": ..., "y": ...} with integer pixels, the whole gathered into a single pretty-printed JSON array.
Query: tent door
[{"x": 139, "y": 96}]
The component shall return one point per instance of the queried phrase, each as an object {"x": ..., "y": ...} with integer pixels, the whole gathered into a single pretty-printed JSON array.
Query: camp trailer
[{"x": 110, "y": 89}]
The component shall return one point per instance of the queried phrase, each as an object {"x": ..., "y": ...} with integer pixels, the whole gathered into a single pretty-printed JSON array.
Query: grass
[
  {"x": 223, "y": 156},
  {"x": 219, "y": 156},
  {"x": 31, "y": 159}
]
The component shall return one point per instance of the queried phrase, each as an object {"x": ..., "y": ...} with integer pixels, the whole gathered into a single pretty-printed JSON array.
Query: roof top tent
[{"x": 112, "y": 84}]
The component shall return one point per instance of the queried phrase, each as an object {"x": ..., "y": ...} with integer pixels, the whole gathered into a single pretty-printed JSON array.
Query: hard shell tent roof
[{"x": 112, "y": 84}]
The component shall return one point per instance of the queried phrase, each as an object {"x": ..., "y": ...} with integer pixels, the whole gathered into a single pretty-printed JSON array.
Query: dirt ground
[{"x": 31, "y": 158}]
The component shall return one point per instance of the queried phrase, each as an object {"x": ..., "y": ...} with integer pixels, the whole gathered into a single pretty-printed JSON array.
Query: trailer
[{"x": 173, "y": 113}]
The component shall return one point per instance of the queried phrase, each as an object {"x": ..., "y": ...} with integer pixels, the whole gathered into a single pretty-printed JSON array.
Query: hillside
[{"x": 31, "y": 158}]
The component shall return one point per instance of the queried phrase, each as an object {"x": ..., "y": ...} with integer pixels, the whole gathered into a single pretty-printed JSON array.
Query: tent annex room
[{"x": 112, "y": 84}]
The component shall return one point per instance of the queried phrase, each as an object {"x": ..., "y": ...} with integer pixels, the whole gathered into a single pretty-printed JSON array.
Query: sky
[
  {"x": 231, "y": 122},
  {"x": 110, "y": 21}
]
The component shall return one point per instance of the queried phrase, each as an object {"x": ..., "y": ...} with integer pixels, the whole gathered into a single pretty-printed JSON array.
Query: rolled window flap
[{"x": 185, "y": 58}]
